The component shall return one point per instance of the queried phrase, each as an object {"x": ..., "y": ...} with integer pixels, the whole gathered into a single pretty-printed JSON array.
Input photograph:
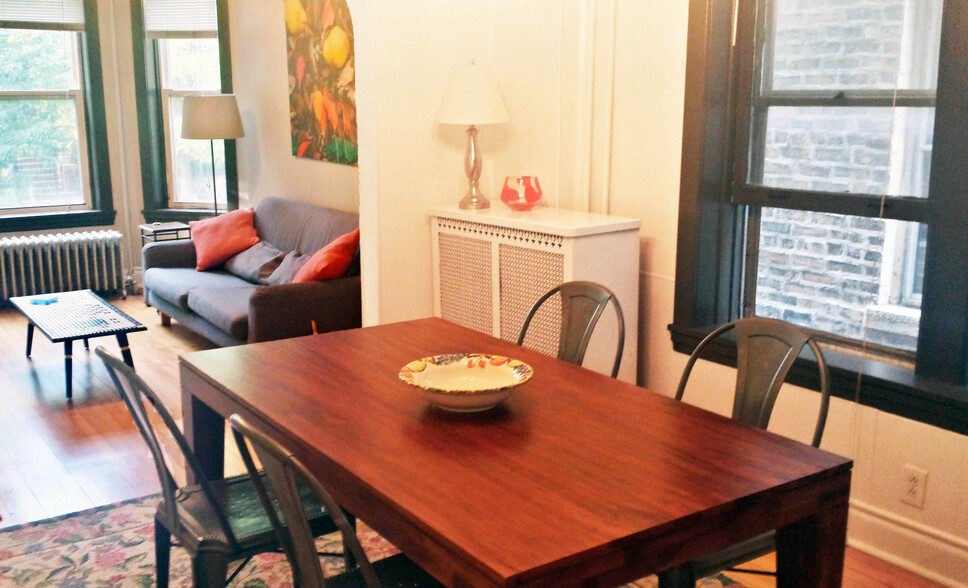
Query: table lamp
[
  {"x": 473, "y": 97},
  {"x": 211, "y": 117}
]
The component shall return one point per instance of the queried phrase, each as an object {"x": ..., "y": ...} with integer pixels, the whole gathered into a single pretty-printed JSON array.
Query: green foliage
[
  {"x": 37, "y": 60},
  {"x": 40, "y": 135}
]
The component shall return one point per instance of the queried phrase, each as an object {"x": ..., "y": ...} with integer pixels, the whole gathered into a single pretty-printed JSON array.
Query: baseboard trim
[{"x": 923, "y": 550}]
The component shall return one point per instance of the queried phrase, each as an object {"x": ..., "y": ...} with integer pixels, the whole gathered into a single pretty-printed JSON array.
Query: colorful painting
[{"x": 322, "y": 82}]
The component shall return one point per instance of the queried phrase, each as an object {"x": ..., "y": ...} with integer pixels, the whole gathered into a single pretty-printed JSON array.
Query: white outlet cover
[{"x": 914, "y": 485}]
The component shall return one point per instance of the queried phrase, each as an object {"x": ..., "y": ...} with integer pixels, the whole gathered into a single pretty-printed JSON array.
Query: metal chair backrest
[
  {"x": 582, "y": 304},
  {"x": 133, "y": 391},
  {"x": 282, "y": 469},
  {"x": 766, "y": 350}
]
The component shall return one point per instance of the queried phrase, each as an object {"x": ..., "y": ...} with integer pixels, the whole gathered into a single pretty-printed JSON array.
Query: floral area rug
[{"x": 113, "y": 546}]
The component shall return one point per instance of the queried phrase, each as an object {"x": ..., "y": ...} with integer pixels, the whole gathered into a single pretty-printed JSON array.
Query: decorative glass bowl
[{"x": 521, "y": 193}]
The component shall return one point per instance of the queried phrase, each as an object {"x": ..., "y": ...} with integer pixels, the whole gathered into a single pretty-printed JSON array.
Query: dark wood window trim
[
  {"x": 151, "y": 132},
  {"x": 99, "y": 168},
  {"x": 712, "y": 228}
]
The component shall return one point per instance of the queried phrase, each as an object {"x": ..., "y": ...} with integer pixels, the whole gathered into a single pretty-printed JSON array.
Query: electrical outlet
[{"x": 915, "y": 484}]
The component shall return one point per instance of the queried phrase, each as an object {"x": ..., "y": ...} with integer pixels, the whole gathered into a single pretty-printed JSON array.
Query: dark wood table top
[{"x": 574, "y": 470}]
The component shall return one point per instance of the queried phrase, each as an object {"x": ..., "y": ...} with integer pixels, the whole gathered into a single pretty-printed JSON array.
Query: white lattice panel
[
  {"x": 526, "y": 274},
  {"x": 465, "y": 282},
  {"x": 491, "y": 266}
]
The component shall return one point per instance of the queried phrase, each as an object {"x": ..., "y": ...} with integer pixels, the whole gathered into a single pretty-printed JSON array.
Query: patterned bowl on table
[{"x": 466, "y": 382}]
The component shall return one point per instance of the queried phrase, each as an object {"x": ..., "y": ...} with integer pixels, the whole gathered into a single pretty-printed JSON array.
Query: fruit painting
[{"x": 322, "y": 83}]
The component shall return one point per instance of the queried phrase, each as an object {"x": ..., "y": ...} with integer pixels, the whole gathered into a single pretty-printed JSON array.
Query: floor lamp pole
[{"x": 211, "y": 143}]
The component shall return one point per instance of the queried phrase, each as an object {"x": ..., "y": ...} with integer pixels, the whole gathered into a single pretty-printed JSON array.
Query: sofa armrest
[
  {"x": 179, "y": 253},
  {"x": 280, "y": 312},
  {"x": 174, "y": 253}
]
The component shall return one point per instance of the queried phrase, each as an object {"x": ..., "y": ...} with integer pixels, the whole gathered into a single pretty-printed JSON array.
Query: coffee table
[{"x": 68, "y": 316}]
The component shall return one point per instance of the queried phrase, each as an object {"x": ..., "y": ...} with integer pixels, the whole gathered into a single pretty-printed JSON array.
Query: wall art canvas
[{"x": 322, "y": 100}]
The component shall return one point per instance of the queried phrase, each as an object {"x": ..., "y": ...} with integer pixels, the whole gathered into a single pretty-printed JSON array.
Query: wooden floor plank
[{"x": 59, "y": 456}]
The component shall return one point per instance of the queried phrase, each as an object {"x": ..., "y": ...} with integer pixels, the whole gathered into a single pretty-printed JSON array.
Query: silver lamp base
[
  {"x": 473, "y": 162},
  {"x": 474, "y": 201}
]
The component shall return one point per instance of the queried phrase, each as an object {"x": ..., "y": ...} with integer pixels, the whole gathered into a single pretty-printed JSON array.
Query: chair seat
[
  {"x": 396, "y": 571},
  {"x": 240, "y": 503}
]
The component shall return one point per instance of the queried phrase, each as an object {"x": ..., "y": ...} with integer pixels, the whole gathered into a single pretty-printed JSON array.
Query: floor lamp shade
[{"x": 211, "y": 117}]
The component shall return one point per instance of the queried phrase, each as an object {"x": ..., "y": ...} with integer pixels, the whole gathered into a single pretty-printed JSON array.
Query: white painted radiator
[{"x": 42, "y": 264}]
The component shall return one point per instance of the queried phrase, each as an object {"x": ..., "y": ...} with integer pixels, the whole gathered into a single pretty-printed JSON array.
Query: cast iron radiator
[{"x": 43, "y": 264}]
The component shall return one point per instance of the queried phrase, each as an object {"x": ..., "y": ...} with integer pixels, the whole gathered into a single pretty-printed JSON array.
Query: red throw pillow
[
  {"x": 217, "y": 239},
  {"x": 331, "y": 261}
]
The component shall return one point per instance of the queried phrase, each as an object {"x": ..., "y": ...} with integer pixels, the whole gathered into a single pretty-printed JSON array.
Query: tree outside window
[{"x": 43, "y": 160}]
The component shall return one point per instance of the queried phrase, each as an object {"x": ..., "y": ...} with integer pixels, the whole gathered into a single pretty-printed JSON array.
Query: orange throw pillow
[
  {"x": 331, "y": 261},
  {"x": 217, "y": 239}
]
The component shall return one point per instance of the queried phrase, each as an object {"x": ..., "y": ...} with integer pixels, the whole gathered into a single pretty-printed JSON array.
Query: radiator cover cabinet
[{"x": 490, "y": 266}]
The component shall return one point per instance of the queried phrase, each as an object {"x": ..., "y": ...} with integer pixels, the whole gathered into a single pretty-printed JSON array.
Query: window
[
  {"x": 189, "y": 67},
  {"x": 53, "y": 165},
  {"x": 183, "y": 53},
  {"x": 842, "y": 104},
  {"x": 820, "y": 185}
]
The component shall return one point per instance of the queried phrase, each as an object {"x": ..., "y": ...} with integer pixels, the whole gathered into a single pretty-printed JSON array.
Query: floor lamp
[{"x": 214, "y": 116}]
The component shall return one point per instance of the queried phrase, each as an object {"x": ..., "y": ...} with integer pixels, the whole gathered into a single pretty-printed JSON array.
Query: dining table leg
[
  {"x": 204, "y": 430},
  {"x": 810, "y": 552}
]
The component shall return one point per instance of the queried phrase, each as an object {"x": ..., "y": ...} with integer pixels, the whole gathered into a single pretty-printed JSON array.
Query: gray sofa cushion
[
  {"x": 256, "y": 263},
  {"x": 288, "y": 268},
  {"x": 226, "y": 308},
  {"x": 295, "y": 226},
  {"x": 174, "y": 284}
]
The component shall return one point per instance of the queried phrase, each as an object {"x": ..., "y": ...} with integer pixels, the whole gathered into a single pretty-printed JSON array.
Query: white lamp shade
[
  {"x": 211, "y": 117},
  {"x": 472, "y": 97}
]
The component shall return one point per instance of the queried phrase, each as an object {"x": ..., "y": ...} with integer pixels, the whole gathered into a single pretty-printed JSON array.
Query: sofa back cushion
[
  {"x": 256, "y": 263},
  {"x": 297, "y": 226}
]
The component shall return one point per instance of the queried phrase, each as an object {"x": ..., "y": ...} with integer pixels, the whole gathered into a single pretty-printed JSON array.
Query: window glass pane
[
  {"x": 37, "y": 60},
  {"x": 855, "y": 150},
  {"x": 844, "y": 275},
  {"x": 192, "y": 163},
  {"x": 855, "y": 44},
  {"x": 39, "y": 153},
  {"x": 191, "y": 64}
]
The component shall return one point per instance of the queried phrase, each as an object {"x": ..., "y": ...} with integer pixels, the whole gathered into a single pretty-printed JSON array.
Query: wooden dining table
[{"x": 576, "y": 479}]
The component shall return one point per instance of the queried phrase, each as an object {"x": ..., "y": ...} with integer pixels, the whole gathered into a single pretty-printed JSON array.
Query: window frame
[
  {"x": 712, "y": 259},
  {"x": 92, "y": 136},
  {"x": 153, "y": 144}
]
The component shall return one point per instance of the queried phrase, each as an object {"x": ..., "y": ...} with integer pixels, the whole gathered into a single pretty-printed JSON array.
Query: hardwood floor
[{"x": 59, "y": 456}]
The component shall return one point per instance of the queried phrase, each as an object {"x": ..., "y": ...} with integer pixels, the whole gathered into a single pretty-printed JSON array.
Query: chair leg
[
  {"x": 210, "y": 565},
  {"x": 680, "y": 577},
  {"x": 162, "y": 554},
  {"x": 348, "y": 558}
]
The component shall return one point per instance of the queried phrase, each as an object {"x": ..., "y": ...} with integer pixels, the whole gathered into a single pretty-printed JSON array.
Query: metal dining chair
[
  {"x": 582, "y": 304},
  {"x": 284, "y": 472},
  {"x": 766, "y": 350},
  {"x": 218, "y": 521}
]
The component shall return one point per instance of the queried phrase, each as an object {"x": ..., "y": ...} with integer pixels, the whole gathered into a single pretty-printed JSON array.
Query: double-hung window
[
  {"x": 53, "y": 167},
  {"x": 822, "y": 185},
  {"x": 182, "y": 51}
]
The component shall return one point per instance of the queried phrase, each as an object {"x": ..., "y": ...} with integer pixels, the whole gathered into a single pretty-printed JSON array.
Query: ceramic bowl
[{"x": 466, "y": 382}]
